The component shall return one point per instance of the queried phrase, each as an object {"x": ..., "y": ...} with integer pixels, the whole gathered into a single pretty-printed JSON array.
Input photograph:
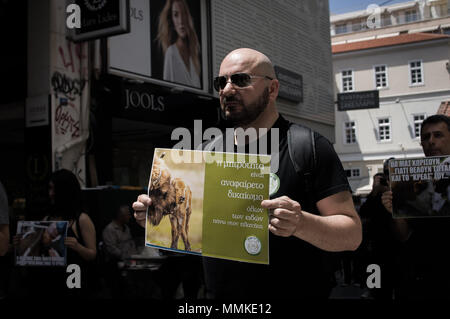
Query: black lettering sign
[
  {"x": 101, "y": 18},
  {"x": 291, "y": 84},
  {"x": 358, "y": 100}
]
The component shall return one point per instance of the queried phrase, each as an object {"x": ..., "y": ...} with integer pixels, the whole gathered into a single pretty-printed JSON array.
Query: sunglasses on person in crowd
[{"x": 241, "y": 80}]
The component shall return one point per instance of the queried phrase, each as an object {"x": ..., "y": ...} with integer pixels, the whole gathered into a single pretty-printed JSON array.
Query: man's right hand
[
  {"x": 140, "y": 208},
  {"x": 386, "y": 199}
]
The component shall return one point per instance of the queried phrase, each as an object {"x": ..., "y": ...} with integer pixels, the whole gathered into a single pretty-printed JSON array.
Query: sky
[{"x": 343, "y": 6}]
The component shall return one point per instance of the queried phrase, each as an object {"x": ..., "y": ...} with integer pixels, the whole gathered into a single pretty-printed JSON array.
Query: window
[
  {"x": 416, "y": 72},
  {"x": 418, "y": 119},
  {"x": 341, "y": 28},
  {"x": 380, "y": 76},
  {"x": 358, "y": 25},
  {"x": 349, "y": 132},
  {"x": 441, "y": 11},
  {"x": 384, "y": 129},
  {"x": 386, "y": 20},
  {"x": 347, "y": 80},
  {"x": 411, "y": 15},
  {"x": 353, "y": 172}
]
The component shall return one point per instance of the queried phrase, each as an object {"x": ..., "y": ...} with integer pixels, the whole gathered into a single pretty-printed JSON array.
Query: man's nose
[{"x": 229, "y": 89}]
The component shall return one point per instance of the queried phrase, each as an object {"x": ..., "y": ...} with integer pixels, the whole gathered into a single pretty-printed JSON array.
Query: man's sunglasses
[{"x": 241, "y": 80}]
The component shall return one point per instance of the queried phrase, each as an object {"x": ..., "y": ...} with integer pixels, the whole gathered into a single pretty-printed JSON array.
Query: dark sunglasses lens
[
  {"x": 219, "y": 83},
  {"x": 241, "y": 79},
  {"x": 216, "y": 83}
]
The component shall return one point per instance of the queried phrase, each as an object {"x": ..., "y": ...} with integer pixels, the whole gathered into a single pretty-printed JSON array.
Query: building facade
[
  {"x": 405, "y": 17},
  {"x": 411, "y": 74},
  {"x": 294, "y": 35},
  {"x": 100, "y": 107}
]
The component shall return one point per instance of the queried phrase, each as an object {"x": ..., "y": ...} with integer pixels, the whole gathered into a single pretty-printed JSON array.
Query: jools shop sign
[
  {"x": 158, "y": 104},
  {"x": 144, "y": 100}
]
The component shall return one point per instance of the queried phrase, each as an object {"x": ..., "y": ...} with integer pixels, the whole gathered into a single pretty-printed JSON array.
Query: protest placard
[
  {"x": 41, "y": 243},
  {"x": 208, "y": 203},
  {"x": 420, "y": 187}
]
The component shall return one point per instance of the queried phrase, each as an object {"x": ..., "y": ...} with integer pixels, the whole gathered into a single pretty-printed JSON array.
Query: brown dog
[
  {"x": 170, "y": 197},
  {"x": 179, "y": 218}
]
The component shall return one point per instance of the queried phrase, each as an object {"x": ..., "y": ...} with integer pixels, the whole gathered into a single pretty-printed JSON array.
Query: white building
[
  {"x": 401, "y": 50},
  {"x": 411, "y": 73}
]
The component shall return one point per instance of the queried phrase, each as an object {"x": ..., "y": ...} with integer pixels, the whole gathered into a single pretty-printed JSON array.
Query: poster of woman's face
[{"x": 176, "y": 41}]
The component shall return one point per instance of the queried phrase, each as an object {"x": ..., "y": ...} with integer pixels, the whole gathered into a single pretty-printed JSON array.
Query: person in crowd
[
  {"x": 299, "y": 233},
  {"x": 66, "y": 205},
  {"x": 118, "y": 245},
  {"x": 424, "y": 261},
  {"x": 179, "y": 42},
  {"x": 117, "y": 240},
  {"x": 4, "y": 222},
  {"x": 379, "y": 237},
  {"x": 4, "y": 237}
]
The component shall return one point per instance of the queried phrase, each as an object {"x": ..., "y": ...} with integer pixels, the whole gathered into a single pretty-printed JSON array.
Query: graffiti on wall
[
  {"x": 66, "y": 119},
  {"x": 67, "y": 56},
  {"x": 69, "y": 83},
  {"x": 70, "y": 88}
]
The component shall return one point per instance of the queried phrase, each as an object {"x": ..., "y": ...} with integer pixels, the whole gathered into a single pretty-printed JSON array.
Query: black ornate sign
[{"x": 358, "y": 100}]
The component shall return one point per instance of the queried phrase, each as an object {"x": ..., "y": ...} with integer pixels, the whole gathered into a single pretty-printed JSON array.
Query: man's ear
[{"x": 274, "y": 88}]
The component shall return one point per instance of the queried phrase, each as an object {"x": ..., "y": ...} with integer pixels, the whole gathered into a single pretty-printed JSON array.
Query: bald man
[{"x": 299, "y": 232}]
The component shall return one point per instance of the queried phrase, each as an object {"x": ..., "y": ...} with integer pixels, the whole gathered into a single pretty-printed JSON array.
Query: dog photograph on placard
[{"x": 174, "y": 220}]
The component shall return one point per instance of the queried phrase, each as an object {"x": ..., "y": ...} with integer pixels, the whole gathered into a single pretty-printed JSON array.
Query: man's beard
[{"x": 249, "y": 113}]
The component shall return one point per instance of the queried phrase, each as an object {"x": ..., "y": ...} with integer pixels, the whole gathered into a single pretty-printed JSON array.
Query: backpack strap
[
  {"x": 302, "y": 151},
  {"x": 302, "y": 148}
]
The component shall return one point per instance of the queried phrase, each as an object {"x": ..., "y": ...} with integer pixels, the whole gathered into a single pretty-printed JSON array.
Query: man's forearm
[{"x": 331, "y": 233}]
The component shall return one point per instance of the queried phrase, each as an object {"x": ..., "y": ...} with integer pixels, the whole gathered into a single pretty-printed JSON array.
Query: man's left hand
[{"x": 286, "y": 216}]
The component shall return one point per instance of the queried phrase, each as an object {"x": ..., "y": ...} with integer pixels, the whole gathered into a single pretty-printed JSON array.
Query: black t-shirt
[
  {"x": 297, "y": 269},
  {"x": 378, "y": 226}
]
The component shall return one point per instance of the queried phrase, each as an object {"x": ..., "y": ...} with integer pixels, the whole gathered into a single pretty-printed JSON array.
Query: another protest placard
[
  {"x": 41, "y": 243},
  {"x": 208, "y": 203},
  {"x": 420, "y": 187}
]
